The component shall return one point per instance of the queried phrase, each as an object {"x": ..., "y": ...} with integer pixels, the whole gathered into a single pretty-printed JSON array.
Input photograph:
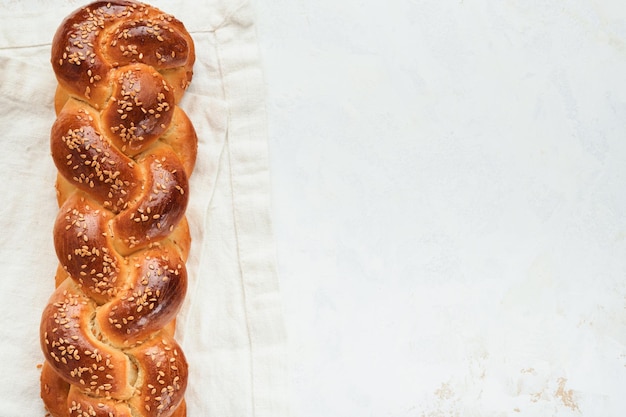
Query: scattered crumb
[
  {"x": 566, "y": 396},
  {"x": 445, "y": 392},
  {"x": 536, "y": 396}
]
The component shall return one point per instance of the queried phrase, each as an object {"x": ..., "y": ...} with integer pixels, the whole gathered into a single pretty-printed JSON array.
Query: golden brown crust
[
  {"x": 111, "y": 34},
  {"x": 154, "y": 293},
  {"x": 124, "y": 152},
  {"x": 71, "y": 347},
  {"x": 54, "y": 392},
  {"x": 84, "y": 253},
  {"x": 140, "y": 108}
]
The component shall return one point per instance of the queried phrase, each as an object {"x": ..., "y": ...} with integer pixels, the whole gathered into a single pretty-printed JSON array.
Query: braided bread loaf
[{"x": 124, "y": 151}]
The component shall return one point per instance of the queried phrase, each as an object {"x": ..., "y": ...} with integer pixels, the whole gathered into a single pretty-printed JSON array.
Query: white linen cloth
[{"x": 231, "y": 326}]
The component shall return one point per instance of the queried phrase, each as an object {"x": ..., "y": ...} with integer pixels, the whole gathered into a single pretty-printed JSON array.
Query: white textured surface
[{"x": 449, "y": 186}]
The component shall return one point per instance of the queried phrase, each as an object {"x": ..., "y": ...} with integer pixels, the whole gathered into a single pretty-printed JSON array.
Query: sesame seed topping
[{"x": 110, "y": 179}]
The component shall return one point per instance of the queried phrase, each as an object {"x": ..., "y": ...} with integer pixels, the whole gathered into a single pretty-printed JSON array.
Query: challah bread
[{"x": 124, "y": 151}]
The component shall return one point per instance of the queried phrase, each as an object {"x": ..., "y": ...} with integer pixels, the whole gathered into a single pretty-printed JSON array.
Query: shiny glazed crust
[{"x": 124, "y": 151}]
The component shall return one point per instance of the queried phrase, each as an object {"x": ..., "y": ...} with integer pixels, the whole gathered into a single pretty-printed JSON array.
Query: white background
[{"x": 449, "y": 204}]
